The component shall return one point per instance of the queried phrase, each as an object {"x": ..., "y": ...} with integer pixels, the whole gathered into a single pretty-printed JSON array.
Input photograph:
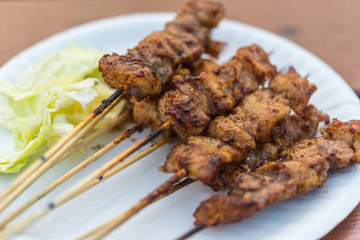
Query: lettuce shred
[{"x": 49, "y": 99}]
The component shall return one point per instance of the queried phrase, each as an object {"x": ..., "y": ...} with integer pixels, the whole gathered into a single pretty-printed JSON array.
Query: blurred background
[{"x": 328, "y": 28}]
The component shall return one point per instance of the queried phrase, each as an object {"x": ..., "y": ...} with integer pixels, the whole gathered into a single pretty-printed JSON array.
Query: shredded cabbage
[{"x": 50, "y": 98}]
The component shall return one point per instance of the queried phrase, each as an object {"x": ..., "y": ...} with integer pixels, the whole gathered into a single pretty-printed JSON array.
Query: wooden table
[{"x": 328, "y": 28}]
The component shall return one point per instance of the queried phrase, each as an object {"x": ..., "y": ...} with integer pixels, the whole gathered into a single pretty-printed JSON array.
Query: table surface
[{"x": 328, "y": 28}]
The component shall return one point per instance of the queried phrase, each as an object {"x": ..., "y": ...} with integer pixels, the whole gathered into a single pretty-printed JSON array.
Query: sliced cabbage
[{"x": 50, "y": 98}]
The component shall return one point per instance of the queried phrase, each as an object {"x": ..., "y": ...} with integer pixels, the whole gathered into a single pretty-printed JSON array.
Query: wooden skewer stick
[
  {"x": 129, "y": 162},
  {"x": 19, "y": 226},
  {"x": 192, "y": 232},
  {"x": 158, "y": 193},
  {"x": 99, "y": 174},
  {"x": 72, "y": 172},
  {"x": 173, "y": 189},
  {"x": 112, "y": 123},
  {"x": 52, "y": 157}
]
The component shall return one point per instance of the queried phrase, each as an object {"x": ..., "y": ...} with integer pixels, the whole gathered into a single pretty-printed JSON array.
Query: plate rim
[{"x": 84, "y": 26}]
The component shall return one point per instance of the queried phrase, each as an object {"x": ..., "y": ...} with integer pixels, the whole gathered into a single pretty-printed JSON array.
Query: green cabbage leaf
[{"x": 49, "y": 99}]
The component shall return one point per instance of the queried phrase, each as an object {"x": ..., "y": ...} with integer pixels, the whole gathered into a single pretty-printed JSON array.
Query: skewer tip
[{"x": 192, "y": 232}]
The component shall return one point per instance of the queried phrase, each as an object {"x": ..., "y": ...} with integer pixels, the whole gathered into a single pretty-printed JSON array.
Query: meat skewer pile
[
  {"x": 301, "y": 169},
  {"x": 189, "y": 108},
  {"x": 202, "y": 158},
  {"x": 249, "y": 124},
  {"x": 208, "y": 82}
]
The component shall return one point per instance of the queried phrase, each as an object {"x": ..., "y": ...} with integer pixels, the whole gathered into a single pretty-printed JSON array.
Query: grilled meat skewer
[
  {"x": 146, "y": 68},
  {"x": 208, "y": 159},
  {"x": 154, "y": 58},
  {"x": 218, "y": 88},
  {"x": 243, "y": 133},
  {"x": 301, "y": 169}
]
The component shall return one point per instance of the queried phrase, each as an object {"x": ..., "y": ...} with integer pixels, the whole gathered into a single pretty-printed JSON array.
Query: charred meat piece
[
  {"x": 287, "y": 132},
  {"x": 250, "y": 193},
  {"x": 184, "y": 116},
  {"x": 201, "y": 157},
  {"x": 232, "y": 130},
  {"x": 145, "y": 112},
  {"x": 263, "y": 110},
  {"x": 227, "y": 130},
  {"x": 337, "y": 153},
  {"x": 138, "y": 78},
  {"x": 297, "y": 89},
  {"x": 197, "y": 18},
  {"x": 295, "y": 128},
  {"x": 251, "y": 121},
  {"x": 209, "y": 91},
  {"x": 229, "y": 75},
  {"x": 263, "y": 153},
  {"x": 255, "y": 61},
  {"x": 348, "y": 132},
  {"x": 214, "y": 92},
  {"x": 303, "y": 168},
  {"x": 146, "y": 68}
]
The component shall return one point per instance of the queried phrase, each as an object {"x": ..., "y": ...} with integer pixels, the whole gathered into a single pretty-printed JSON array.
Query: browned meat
[
  {"x": 201, "y": 157},
  {"x": 181, "y": 112},
  {"x": 230, "y": 77},
  {"x": 209, "y": 13},
  {"x": 337, "y": 153},
  {"x": 307, "y": 178},
  {"x": 263, "y": 110},
  {"x": 287, "y": 132},
  {"x": 145, "y": 112},
  {"x": 348, "y": 132},
  {"x": 303, "y": 168},
  {"x": 248, "y": 82},
  {"x": 216, "y": 91},
  {"x": 206, "y": 65},
  {"x": 209, "y": 91},
  {"x": 138, "y": 78},
  {"x": 197, "y": 18},
  {"x": 297, "y": 89},
  {"x": 253, "y": 187},
  {"x": 227, "y": 74},
  {"x": 240, "y": 129},
  {"x": 251, "y": 121},
  {"x": 263, "y": 153},
  {"x": 148, "y": 66},
  {"x": 251, "y": 193},
  {"x": 214, "y": 48},
  {"x": 295, "y": 128},
  {"x": 255, "y": 61},
  {"x": 227, "y": 130}
]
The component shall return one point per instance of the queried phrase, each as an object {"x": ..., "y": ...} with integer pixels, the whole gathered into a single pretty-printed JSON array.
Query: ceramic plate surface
[{"x": 304, "y": 217}]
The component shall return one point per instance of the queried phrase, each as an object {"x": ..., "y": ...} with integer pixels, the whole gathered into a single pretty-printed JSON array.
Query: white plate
[{"x": 304, "y": 217}]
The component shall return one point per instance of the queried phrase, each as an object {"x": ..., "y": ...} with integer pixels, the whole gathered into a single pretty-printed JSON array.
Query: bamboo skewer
[
  {"x": 173, "y": 189},
  {"x": 19, "y": 226},
  {"x": 47, "y": 163},
  {"x": 106, "y": 105},
  {"x": 112, "y": 123},
  {"x": 157, "y": 194},
  {"x": 74, "y": 171},
  {"x": 98, "y": 174},
  {"x": 192, "y": 232},
  {"x": 130, "y": 161}
]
